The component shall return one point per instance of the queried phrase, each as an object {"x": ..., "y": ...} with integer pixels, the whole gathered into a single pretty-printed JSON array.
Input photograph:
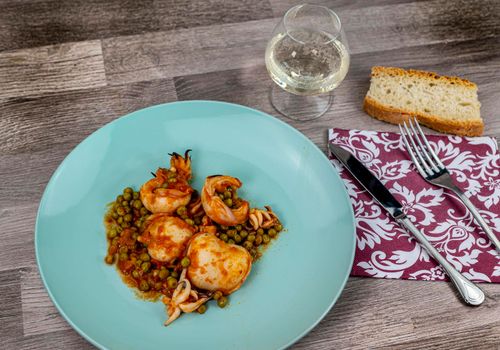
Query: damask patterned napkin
[{"x": 384, "y": 249}]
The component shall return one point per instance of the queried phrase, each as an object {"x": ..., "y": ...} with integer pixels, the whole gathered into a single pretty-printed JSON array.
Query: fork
[{"x": 433, "y": 171}]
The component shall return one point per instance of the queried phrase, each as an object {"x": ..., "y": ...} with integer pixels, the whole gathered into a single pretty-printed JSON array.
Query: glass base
[{"x": 298, "y": 107}]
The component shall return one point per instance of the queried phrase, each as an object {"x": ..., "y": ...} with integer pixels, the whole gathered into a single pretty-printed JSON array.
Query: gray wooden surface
[{"x": 69, "y": 67}]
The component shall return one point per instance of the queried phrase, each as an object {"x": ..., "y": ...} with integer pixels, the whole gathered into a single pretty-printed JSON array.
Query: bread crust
[
  {"x": 378, "y": 70},
  {"x": 395, "y": 116}
]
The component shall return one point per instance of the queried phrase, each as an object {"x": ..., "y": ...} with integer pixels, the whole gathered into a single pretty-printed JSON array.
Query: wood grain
[
  {"x": 17, "y": 223},
  {"x": 242, "y": 45},
  {"x": 10, "y": 310},
  {"x": 69, "y": 67},
  {"x": 423, "y": 309},
  {"x": 187, "y": 51},
  {"x": 51, "y": 69},
  {"x": 74, "y": 115},
  {"x": 37, "y": 23}
]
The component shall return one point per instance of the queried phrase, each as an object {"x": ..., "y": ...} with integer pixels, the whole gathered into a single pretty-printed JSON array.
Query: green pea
[
  {"x": 227, "y": 194},
  {"x": 119, "y": 220},
  {"x": 125, "y": 224},
  {"x": 248, "y": 245},
  {"x": 127, "y": 217},
  {"x": 231, "y": 241},
  {"x": 114, "y": 215},
  {"x": 125, "y": 203},
  {"x": 272, "y": 232},
  {"x": 229, "y": 202},
  {"x": 163, "y": 273},
  {"x": 237, "y": 238},
  {"x": 109, "y": 259},
  {"x": 201, "y": 309},
  {"x": 258, "y": 240},
  {"x": 238, "y": 228},
  {"x": 172, "y": 180},
  {"x": 137, "y": 204},
  {"x": 112, "y": 233},
  {"x": 138, "y": 263},
  {"x": 120, "y": 211},
  {"x": 145, "y": 266},
  {"x": 123, "y": 256},
  {"x": 135, "y": 274},
  {"x": 222, "y": 302},
  {"x": 128, "y": 210},
  {"x": 224, "y": 237},
  {"x": 119, "y": 199},
  {"x": 253, "y": 253},
  {"x": 144, "y": 257},
  {"x": 182, "y": 210},
  {"x": 128, "y": 190},
  {"x": 251, "y": 238},
  {"x": 260, "y": 231},
  {"x": 127, "y": 196},
  {"x": 171, "y": 282},
  {"x": 158, "y": 285},
  {"x": 135, "y": 235},
  {"x": 231, "y": 233},
  {"x": 221, "y": 196},
  {"x": 144, "y": 286},
  {"x": 174, "y": 274},
  {"x": 115, "y": 241},
  {"x": 123, "y": 249},
  {"x": 143, "y": 211},
  {"x": 189, "y": 222},
  {"x": 185, "y": 261},
  {"x": 278, "y": 227},
  {"x": 171, "y": 175},
  {"x": 265, "y": 239},
  {"x": 136, "y": 195},
  {"x": 243, "y": 234},
  {"x": 224, "y": 227},
  {"x": 217, "y": 295}
]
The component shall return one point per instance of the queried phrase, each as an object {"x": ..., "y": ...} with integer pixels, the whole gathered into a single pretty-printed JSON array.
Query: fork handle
[
  {"x": 471, "y": 293},
  {"x": 478, "y": 217}
]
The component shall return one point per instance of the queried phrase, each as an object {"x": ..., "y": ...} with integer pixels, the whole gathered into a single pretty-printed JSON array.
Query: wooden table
[{"x": 69, "y": 67}]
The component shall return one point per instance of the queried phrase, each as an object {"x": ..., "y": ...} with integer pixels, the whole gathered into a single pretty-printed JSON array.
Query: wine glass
[{"x": 307, "y": 57}]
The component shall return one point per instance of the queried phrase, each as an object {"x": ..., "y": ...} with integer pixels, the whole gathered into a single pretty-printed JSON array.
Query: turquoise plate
[{"x": 290, "y": 288}]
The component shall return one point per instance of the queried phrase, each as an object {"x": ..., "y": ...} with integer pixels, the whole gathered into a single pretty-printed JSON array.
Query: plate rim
[{"x": 161, "y": 105}]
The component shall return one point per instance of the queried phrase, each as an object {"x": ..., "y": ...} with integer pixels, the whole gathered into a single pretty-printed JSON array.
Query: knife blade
[
  {"x": 368, "y": 181},
  {"x": 470, "y": 293}
]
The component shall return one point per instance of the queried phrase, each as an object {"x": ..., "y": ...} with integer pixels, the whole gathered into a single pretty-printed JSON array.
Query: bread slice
[{"x": 446, "y": 104}]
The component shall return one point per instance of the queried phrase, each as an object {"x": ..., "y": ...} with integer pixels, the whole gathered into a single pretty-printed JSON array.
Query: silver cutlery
[
  {"x": 433, "y": 171},
  {"x": 471, "y": 294}
]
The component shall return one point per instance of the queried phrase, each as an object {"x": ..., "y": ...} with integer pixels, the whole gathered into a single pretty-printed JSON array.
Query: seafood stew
[{"x": 169, "y": 241}]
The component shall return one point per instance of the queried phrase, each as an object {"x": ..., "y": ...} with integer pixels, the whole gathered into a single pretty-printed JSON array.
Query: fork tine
[
  {"x": 426, "y": 154},
  {"x": 411, "y": 153},
  {"x": 422, "y": 162},
  {"x": 438, "y": 161}
]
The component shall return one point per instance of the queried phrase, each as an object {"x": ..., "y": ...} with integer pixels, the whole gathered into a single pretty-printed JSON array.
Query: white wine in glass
[{"x": 307, "y": 57}]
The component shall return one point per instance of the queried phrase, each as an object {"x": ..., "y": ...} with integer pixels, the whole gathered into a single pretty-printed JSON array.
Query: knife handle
[{"x": 471, "y": 293}]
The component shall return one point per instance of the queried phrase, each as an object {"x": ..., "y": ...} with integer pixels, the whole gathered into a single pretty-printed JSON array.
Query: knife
[{"x": 471, "y": 294}]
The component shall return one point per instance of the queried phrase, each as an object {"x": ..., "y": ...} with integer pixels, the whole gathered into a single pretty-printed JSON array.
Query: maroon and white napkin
[{"x": 383, "y": 248}]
